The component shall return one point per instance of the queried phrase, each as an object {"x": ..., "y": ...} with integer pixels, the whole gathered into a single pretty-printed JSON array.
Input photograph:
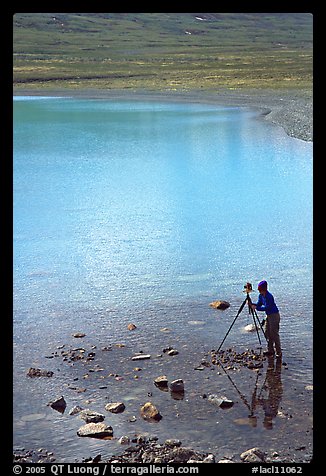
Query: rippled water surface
[{"x": 145, "y": 212}]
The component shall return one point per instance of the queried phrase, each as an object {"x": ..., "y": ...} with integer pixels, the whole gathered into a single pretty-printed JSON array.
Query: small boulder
[
  {"x": 79, "y": 335},
  {"x": 75, "y": 410},
  {"x": 131, "y": 327},
  {"x": 91, "y": 417},
  {"x": 222, "y": 402},
  {"x": 150, "y": 413},
  {"x": 254, "y": 455},
  {"x": 32, "y": 372},
  {"x": 117, "y": 407},
  {"x": 95, "y": 430},
  {"x": 161, "y": 382},
  {"x": 220, "y": 305},
  {"x": 59, "y": 404},
  {"x": 141, "y": 357},
  {"x": 172, "y": 352},
  {"x": 177, "y": 386}
]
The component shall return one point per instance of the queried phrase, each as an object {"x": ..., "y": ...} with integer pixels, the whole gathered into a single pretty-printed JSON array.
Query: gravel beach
[{"x": 291, "y": 109}]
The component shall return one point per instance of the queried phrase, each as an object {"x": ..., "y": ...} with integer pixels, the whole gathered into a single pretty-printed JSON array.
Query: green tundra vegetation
[{"x": 163, "y": 51}]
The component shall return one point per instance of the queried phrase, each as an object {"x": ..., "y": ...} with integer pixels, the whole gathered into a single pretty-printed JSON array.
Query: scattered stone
[
  {"x": 124, "y": 440},
  {"x": 171, "y": 442},
  {"x": 309, "y": 387},
  {"x": 177, "y": 386},
  {"x": 173, "y": 352},
  {"x": 167, "y": 349},
  {"x": 117, "y": 407},
  {"x": 91, "y": 417},
  {"x": 229, "y": 357},
  {"x": 75, "y": 410},
  {"x": 161, "y": 382},
  {"x": 254, "y": 455},
  {"x": 150, "y": 413},
  {"x": 250, "y": 328},
  {"x": 131, "y": 327},
  {"x": 59, "y": 404},
  {"x": 220, "y": 305},
  {"x": 141, "y": 357},
  {"x": 209, "y": 459},
  {"x": 95, "y": 430},
  {"x": 222, "y": 402},
  {"x": 32, "y": 372},
  {"x": 79, "y": 335},
  {"x": 21, "y": 455}
]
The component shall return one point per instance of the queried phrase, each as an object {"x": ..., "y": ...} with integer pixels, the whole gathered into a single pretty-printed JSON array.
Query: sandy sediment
[{"x": 291, "y": 109}]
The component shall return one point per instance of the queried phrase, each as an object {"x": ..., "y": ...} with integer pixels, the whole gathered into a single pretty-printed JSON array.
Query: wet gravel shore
[
  {"x": 148, "y": 448},
  {"x": 291, "y": 109}
]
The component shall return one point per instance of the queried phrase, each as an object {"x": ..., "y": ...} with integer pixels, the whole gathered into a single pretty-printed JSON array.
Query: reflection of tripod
[{"x": 248, "y": 289}]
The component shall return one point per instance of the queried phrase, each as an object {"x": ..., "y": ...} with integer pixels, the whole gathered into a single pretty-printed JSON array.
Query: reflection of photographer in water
[{"x": 273, "y": 387}]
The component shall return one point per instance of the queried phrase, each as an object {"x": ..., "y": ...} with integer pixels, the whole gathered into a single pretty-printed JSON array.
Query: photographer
[{"x": 266, "y": 303}]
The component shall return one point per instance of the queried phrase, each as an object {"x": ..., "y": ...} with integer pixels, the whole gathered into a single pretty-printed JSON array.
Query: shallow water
[{"x": 145, "y": 212}]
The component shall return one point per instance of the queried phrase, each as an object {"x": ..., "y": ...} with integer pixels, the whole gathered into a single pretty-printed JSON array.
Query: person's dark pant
[{"x": 272, "y": 327}]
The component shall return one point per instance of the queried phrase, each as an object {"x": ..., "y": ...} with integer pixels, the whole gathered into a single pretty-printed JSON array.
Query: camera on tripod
[{"x": 247, "y": 289}]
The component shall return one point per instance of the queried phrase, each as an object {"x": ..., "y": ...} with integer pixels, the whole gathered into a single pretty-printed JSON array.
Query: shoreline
[{"x": 292, "y": 110}]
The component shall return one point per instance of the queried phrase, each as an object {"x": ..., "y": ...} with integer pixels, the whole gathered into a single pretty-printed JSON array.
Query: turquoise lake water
[{"x": 145, "y": 212}]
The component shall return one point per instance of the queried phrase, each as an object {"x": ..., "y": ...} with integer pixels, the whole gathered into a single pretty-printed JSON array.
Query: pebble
[{"x": 141, "y": 357}]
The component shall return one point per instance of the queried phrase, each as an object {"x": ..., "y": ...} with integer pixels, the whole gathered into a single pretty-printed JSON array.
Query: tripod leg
[
  {"x": 255, "y": 312},
  {"x": 253, "y": 316},
  {"x": 241, "y": 307}
]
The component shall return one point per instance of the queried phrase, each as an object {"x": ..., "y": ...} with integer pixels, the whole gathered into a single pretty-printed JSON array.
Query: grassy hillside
[{"x": 163, "y": 51}]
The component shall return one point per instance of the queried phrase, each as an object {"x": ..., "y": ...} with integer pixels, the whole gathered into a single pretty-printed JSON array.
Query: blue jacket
[{"x": 266, "y": 303}]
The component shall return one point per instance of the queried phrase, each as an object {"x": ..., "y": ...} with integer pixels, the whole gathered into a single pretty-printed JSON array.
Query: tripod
[{"x": 253, "y": 312}]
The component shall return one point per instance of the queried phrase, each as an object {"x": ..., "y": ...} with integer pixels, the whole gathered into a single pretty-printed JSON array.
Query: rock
[
  {"x": 309, "y": 387},
  {"x": 250, "y": 328},
  {"x": 171, "y": 442},
  {"x": 222, "y": 402},
  {"x": 177, "y": 386},
  {"x": 220, "y": 305},
  {"x": 254, "y": 455},
  {"x": 253, "y": 366},
  {"x": 75, "y": 410},
  {"x": 78, "y": 335},
  {"x": 32, "y": 372},
  {"x": 149, "y": 412},
  {"x": 91, "y": 417},
  {"x": 117, "y": 407},
  {"x": 131, "y": 327},
  {"x": 173, "y": 352},
  {"x": 59, "y": 404},
  {"x": 124, "y": 440},
  {"x": 141, "y": 357},
  {"x": 95, "y": 430},
  {"x": 209, "y": 459},
  {"x": 182, "y": 455},
  {"x": 161, "y": 382},
  {"x": 225, "y": 460}
]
